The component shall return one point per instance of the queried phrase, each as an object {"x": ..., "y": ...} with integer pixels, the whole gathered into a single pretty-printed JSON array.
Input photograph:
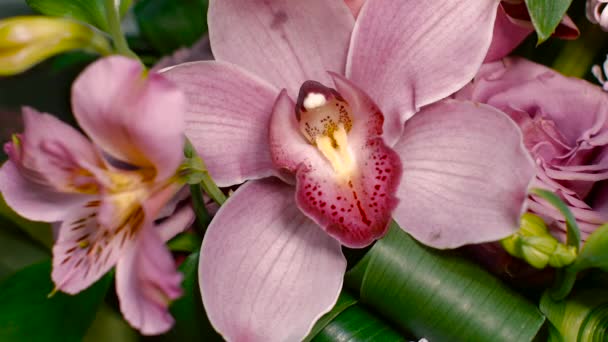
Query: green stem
[
  {"x": 115, "y": 31},
  {"x": 577, "y": 56},
  {"x": 202, "y": 215}
]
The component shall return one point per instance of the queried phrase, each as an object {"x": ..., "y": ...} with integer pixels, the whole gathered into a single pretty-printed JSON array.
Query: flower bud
[{"x": 26, "y": 41}]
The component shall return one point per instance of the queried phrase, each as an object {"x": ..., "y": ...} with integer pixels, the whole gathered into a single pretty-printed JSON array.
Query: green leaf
[
  {"x": 546, "y": 15},
  {"x": 595, "y": 251},
  {"x": 27, "y": 314},
  {"x": 185, "y": 242},
  {"x": 89, "y": 11},
  {"x": 440, "y": 295},
  {"x": 344, "y": 302},
  {"x": 574, "y": 234},
  {"x": 171, "y": 24},
  {"x": 38, "y": 231},
  {"x": 583, "y": 317},
  {"x": 357, "y": 324},
  {"x": 17, "y": 250},
  {"x": 191, "y": 323}
]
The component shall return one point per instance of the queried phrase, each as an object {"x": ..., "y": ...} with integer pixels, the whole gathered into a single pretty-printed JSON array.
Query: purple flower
[
  {"x": 564, "y": 122},
  {"x": 107, "y": 192},
  {"x": 327, "y": 155}
]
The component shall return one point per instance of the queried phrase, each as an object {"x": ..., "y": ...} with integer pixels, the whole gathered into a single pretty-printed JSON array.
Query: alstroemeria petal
[
  {"x": 85, "y": 250},
  {"x": 407, "y": 54},
  {"x": 355, "y": 209},
  {"x": 146, "y": 282},
  {"x": 266, "y": 271},
  {"x": 355, "y": 6},
  {"x": 134, "y": 117},
  {"x": 34, "y": 201},
  {"x": 285, "y": 42},
  {"x": 465, "y": 175},
  {"x": 227, "y": 117}
]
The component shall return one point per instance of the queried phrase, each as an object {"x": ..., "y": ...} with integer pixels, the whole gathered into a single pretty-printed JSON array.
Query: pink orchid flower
[
  {"x": 107, "y": 192},
  {"x": 327, "y": 155}
]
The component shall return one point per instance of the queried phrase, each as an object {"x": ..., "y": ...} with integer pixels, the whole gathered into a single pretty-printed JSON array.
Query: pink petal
[
  {"x": 179, "y": 221},
  {"x": 34, "y": 201},
  {"x": 85, "y": 250},
  {"x": 136, "y": 118},
  {"x": 466, "y": 175},
  {"x": 355, "y": 6},
  {"x": 357, "y": 210},
  {"x": 407, "y": 54},
  {"x": 227, "y": 117},
  {"x": 146, "y": 282},
  {"x": 267, "y": 272},
  {"x": 285, "y": 42},
  {"x": 507, "y": 36}
]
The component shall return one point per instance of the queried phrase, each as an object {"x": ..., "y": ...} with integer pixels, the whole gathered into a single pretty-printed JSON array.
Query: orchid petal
[
  {"x": 466, "y": 175},
  {"x": 285, "y": 42},
  {"x": 135, "y": 118},
  {"x": 267, "y": 272},
  {"x": 227, "y": 117},
  {"x": 84, "y": 250},
  {"x": 407, "y": 54},
  {"x": 355, "y": 210},
  {"x": 146, "y": 282}
]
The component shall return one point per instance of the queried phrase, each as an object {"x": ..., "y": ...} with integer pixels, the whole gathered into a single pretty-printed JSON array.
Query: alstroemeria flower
[
  {"x": 310, "y": 106},
  {"x": 107, "y": 192},
  {"x": 565, "y": 125},
  {"x": 513, "y": 25}
]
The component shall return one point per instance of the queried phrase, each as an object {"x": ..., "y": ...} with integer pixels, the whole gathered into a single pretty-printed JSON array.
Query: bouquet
[{"x": 281, "y": 170}]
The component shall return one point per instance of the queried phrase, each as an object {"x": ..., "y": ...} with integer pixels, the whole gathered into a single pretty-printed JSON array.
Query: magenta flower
[
  {"x": 565, "y": 125},
  {"x": 107, "y": 192},
  {"x": 513, "y": 25},
  {"x": 328, "y": 158}
]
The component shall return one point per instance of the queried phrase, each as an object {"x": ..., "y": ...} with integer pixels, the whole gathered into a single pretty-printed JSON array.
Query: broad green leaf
[
  {"x": 583, "y": 317},
  {"x": 440, "y": 295},
  {"x": 109, "y": 325},
  {"x": 345, "y": 301},
  {"x": 27, "y": 314},
  {"x": 185, "y": 242},
  {"x": 546, "y": 15},
  {"x": 191, "y": 323},
  {"x": 88, "y": 11},
  {"x": 17, "y": 250},
  {"x": 574, "y": 234},
  {"x": 38, "y": 231},
  {"x": 595, "y": 251},
  {"x": 357, "y": 324},
  {"x": 171, "y": 24}
]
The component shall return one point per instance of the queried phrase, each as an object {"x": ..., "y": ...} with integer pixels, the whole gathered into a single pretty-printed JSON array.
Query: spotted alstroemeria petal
[
  {"x": 147, "y": 282},
  {"x": 353, "y": 206},
  {"x": 85, "y": 251}
]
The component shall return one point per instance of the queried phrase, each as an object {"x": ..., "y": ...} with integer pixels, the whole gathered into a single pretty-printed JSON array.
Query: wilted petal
[
  {"x": 227, "y": 117},
  {"x": 285, "y": 42},
  {"x": 136, "y": 118},
  {"x": 267, "y": 272},
  {"x": 354, "y": 208},
  {"x": 85, "y": 250},
  {"x": 146, "y": 283},
  {"x": 465, "y": 175},
  {"x": 407, "y": 54}
]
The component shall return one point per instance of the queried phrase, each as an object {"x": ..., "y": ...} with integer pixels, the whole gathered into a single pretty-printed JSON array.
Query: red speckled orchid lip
[{"x": 346, "y": 176}]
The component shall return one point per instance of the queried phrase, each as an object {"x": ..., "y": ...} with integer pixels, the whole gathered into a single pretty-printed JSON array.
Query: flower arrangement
[{"x": 321, "y": 170}]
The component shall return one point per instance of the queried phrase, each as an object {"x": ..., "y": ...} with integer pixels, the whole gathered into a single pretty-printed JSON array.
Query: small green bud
[
  {"x": 26, "y": 41},
  {"x": 563, "y": 256},
  {"x": 532, "y": 225}
]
